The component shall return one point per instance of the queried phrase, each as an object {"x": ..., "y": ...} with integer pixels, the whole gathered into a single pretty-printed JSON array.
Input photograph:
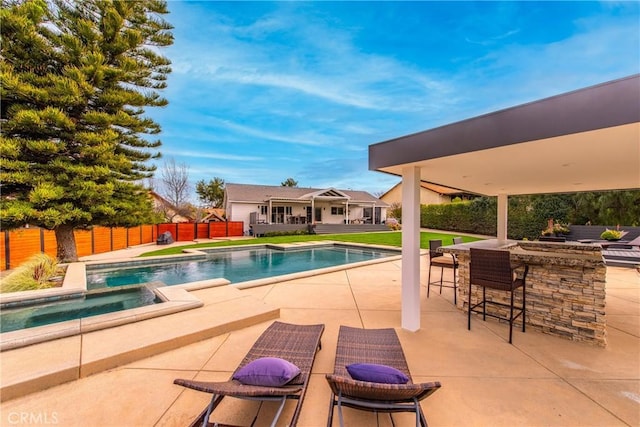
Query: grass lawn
[{"x": 390, "y": 238}]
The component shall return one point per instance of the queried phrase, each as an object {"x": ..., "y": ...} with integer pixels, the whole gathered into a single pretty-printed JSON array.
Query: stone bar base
[{"x": 565, "y": 287}]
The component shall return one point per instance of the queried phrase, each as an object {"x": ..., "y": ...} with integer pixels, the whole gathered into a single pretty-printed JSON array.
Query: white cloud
[
  {"x": 209, "y": 155},
  {"x": 261, "y": 134},
  {"x": 324, "y": 64}
]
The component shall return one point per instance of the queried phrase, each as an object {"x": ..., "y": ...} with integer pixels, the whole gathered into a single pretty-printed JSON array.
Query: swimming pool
[
  {"x": 237, "y": 265},
  {"x": 118, "y": 286}
]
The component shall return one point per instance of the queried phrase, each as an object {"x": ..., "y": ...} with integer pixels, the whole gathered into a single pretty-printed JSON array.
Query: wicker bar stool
[
  {"x": 490, "y": 268},
  {"x": 438, "y": 259}
]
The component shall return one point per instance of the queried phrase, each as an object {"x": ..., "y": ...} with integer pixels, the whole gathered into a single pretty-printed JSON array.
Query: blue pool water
[
  {"x": 45, "y": 314},
  {"x": 113, "y": 288},
  {"x": 235, "y": 266}
]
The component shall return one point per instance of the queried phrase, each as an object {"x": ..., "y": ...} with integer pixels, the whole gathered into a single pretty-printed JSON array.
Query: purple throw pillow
[
  {"x": 376, "y": 373},
  {"x": 268, "y": 372}
]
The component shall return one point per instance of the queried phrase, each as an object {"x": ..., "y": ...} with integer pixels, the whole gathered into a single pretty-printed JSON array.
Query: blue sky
[{"x": 264, "y": 91}]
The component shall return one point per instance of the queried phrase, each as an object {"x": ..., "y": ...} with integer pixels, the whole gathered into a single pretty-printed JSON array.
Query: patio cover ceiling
[{"x": 586, "y": 140}]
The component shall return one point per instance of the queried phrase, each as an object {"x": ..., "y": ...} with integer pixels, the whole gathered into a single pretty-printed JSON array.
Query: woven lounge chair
[
  {"x": 632, "y": 244},
  {"x": 375, "y": 346},
  {"x": 297, "y": 344}
]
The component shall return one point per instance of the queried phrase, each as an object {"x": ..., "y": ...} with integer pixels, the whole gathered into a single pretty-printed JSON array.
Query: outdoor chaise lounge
[
  {"x": 632, "y": 244},
  {"x": 380, "y": 351},
  {"x": 297, "y": 344}
]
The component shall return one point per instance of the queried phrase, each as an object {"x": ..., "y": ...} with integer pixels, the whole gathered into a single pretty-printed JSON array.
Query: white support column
[
  {"x": 503, "y": 204},
  {"x": 411, "y": 248}
]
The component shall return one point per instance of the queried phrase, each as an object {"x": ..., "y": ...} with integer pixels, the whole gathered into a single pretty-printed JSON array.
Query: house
[
  {"x": 213, "y": 215},
  {"x": 168, "y": 210},
  {"x": 264, "y": 204},
  {"x": 430, "y": 194}
]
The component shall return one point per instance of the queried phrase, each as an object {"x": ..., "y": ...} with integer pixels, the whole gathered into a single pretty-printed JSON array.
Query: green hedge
[
  {"x": 527, "y": 215},
  {"x": 477, "y": 216}
]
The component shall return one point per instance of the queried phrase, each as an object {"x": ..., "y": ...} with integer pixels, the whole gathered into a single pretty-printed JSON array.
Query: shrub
[
  {"x": 35, "y": 273},
  {"x": 393, "y": 224},
  {"x": 286, "y": 233},
  {"x": 395, "y": 211},
  {"x": 557, "y": 229},
  {"x": 611, "y": 234},
  {"x": 477, "y": 216}
]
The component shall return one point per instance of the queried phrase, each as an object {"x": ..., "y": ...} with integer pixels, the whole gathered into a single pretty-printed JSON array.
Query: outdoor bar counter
[{"x": 565, "y": 286}]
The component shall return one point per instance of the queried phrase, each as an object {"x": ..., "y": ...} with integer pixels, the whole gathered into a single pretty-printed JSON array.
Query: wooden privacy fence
[{"x": 16, "y": 246}]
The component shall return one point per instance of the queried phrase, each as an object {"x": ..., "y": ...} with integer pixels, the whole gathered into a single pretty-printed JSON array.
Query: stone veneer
[{"x": 565, "y": 287}]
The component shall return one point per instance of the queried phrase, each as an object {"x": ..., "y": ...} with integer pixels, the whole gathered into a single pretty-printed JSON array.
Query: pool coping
[
  {"x": 48, "y": 363},
  {"x": 176, "y": 298}
]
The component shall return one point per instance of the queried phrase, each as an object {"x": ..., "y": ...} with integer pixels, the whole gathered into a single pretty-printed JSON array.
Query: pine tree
[
  {"x": 75, "y": 78},
  {"x": 211, "y": 193},
  {"x": 289, "y": 182}
]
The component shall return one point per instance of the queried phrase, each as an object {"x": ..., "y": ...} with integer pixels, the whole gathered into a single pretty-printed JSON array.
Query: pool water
[
  {"x": 235, "y": 266},
  {"x": 113, "y": 287},
  {"x": 59, "y": 311}
]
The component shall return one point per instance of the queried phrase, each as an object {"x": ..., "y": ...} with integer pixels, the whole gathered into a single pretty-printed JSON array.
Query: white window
[{"x": 337, "y": 210}]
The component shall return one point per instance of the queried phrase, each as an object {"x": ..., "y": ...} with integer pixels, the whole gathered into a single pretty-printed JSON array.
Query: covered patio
[
  {"x": 586, "y": 140},
  {"x": 540, "y": 380}
]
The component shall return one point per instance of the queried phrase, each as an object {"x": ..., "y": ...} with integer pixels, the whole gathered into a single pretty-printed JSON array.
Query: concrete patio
[{"x": 538, "y": 381}]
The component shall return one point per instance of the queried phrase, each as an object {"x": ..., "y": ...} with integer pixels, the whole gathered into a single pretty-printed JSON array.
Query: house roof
[
  {"x": 263, "y": 193},
  {"x": 586, "y": 140},
  {"x": 160, "y": 201},
  {"x": 213, "y": 214},
  {"x": 440, "y": 189}
]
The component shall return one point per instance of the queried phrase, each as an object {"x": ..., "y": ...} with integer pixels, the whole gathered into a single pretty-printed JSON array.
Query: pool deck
[{"x": 124, "y": 376}]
